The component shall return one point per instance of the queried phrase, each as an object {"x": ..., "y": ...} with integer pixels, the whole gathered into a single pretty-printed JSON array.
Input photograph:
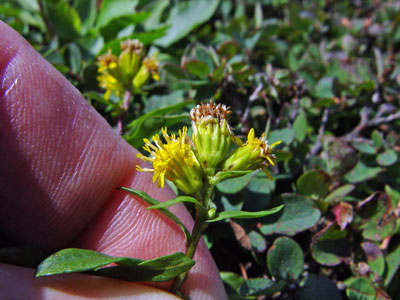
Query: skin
[{"x": 61, "y": 164}]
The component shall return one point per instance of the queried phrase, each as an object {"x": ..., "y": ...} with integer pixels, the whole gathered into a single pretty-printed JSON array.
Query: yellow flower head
[
  {"x": 151, "y": 64},
  {"x": 211, "y": 134},
  {"x": 173, "y": 160},
  {"x": 149, "y": 67},
  {"x": 252, "y": 155},
  {"x": 107, "y": 62},
  {"x": 111, "y": 85}
]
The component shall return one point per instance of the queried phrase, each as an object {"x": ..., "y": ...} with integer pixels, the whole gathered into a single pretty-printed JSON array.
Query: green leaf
[
  {"x": 323, "y": 89},
  {"x": 331, "y": 247},
  {"x": 360, "y": 288},
  {"x": 144, "y": 37},
  {"x": 286, "y": 135},
  {"x": 87, "y": 12},
  {"x": 337, "y": 194},
  {"x": 393, "y": 264},
  {"x": 245, "y": 214},
  {"x": 361, "y": 172},
  {"x": 132, "y": 269},
  {"x": 150, "y": 123},
  {"x": 65, "y": 20},
  {"x": 234, "y": 185},
  {"x": 113, "y": 9},
  {"x": 297, "y": 215},
  {"x": 364, "y": 147},
  {"x": 177, "y": 200},
  {"x": 314, "y": 182},
  {"x": 258, "y": 242},
  {"x": 75, "y": 57},
  {"x": 197, "y": 68},
  {"x": 142, "y": 195},
  {"x": 185, "y": 16},
  {"x": 375, "y": 258},
  {"x": 232, "y": 282},
  {"x": 285, "y": 259},
  {"x": 377, "y": 138},
  {"x": 317, "y": 288},
  {"x": 261, "y": 286},
  {"x": 300, "y": 126},
  {"x": 387, "y": 158}
]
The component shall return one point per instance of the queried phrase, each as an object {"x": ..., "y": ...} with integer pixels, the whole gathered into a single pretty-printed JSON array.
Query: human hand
[{"x": 61, "y": 163}]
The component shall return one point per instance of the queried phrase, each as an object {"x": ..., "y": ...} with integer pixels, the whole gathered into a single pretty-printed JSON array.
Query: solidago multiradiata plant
[{"x": 195, "y": 165}]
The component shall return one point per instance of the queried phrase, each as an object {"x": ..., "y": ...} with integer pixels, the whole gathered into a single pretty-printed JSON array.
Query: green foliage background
[{"x": 322, "y": 76}]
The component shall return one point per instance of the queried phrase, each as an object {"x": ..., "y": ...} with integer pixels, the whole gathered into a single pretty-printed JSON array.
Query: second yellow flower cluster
[{"x": 129, "y": 71}]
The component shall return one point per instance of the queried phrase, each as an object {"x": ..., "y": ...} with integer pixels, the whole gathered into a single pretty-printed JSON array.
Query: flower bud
[
  {"x": 211, "y": 134},
  {"x": 129, "y": 59}
]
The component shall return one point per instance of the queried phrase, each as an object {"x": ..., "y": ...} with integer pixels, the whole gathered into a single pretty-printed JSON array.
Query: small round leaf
[{"x": 285, "y": 259}]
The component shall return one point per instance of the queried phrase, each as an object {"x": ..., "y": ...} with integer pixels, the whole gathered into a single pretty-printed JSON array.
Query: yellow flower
[
  {"x": 252, "y": 155},
  {"x": 111, "y": 85},
  {"x": 149, "y": 67},
  {"x": 107, "y": 62},
  {"x": 173, "y": 160},
  {"x": 211, "y": 134},
  {"x": 108, "y": 73}
]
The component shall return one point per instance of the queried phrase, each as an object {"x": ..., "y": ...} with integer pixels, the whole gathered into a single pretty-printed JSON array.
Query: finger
[
  {"x": 62, "y": 163},
  {"x": 60, "y": 159},
  {"x": 70, "y": 287}
]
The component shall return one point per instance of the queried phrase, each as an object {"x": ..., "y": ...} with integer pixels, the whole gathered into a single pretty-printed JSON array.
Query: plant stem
[
  {"x": 198, "y": 228},
  {"x": 125, "y": 106}
]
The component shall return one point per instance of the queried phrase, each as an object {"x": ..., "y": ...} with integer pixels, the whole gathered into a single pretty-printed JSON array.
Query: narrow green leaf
[
  {"x": 164, "y": 211},
  {"x": 132, "y": 269},
  {"x": 177, "y": 200},
  {"x": 245, "y": 214}
]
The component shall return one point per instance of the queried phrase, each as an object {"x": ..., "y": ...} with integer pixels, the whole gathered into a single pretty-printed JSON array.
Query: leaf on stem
[
  {"x": 174, "y": 201},
  {"x": 145, "y": 197},
  {"x": 245, "y": 214},
  {"x": 130, "y": 269}
]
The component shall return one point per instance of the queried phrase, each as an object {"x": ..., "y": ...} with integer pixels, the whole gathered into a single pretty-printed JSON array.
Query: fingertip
[{"x": 19, "y": 283}]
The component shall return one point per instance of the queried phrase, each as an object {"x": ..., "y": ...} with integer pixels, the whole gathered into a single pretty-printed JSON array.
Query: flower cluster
[
  {"x": 128, "y": 71},
  {"x": 192, "y": 163}
]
